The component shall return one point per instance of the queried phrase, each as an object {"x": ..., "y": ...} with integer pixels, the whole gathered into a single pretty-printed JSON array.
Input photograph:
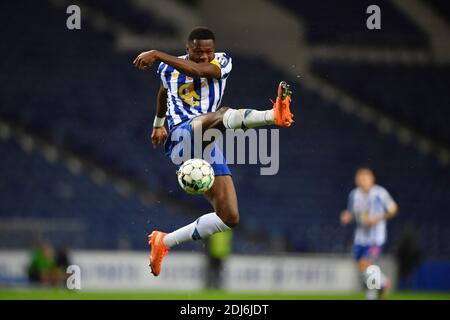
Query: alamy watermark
[
  {"x": 374, "y": 20},
  {"x": 373, "y": 277},
  {"x": 73, "y": 281},
  {"x": 241, "y": 147},
  {"x": 73, "y": 22}
]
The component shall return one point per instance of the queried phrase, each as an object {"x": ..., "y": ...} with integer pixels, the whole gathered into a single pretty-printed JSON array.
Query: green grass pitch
[{"x": 49, "y": 294}]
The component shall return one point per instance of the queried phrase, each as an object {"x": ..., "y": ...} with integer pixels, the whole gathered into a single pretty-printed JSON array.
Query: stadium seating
[
  {"x": 441, "y": 7},
  {"x": 316, "y": 174},
  {"x": 33, "y": 188},
  {"x": 413, "y": 95},
  {"x": 123, "y": 13},
  {"x": 336, "y": 22}
]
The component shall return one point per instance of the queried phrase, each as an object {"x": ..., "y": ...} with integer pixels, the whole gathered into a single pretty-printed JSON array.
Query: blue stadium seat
[
  {"x": 344, "y": 22},
  {"x": 414, "y": 95}
]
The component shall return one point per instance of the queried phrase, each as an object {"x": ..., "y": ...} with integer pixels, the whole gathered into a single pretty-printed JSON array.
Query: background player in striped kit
[
  {"x": 192, "y": 87},
  {"x": 370, "y": 206}
]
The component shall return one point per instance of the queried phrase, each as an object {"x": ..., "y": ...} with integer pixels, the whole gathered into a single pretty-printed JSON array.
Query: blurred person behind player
[
  {"x": 369, "y": 206},
  {"x": 42, "y": 269},
  {"x": 219, "y": 248}
]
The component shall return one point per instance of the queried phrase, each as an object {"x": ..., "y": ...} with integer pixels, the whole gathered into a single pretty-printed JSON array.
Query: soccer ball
[{"x": 195, "y": 176}]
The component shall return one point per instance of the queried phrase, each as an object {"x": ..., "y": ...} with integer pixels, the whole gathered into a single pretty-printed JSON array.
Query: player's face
[
  {"x": 201, "y": 50},
  {"x": 365, "y": 180}
]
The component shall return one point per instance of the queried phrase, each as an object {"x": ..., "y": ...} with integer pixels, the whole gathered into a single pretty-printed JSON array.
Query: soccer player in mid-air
[
  {"x": 370, "y": 206},
  {"x": 192, "y": 87}
]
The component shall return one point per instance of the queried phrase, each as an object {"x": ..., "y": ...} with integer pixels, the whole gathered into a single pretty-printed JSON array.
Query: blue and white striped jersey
[
  {"x": 375, "y": 203},
  {"x": 190, "y": 97}
]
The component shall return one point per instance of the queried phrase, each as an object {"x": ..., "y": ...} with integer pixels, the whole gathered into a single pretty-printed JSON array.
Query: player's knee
[
  {"x": 231, "y": 218},
  {"x": 214, "y": 119},
  {"x": 220, "y": 113}
]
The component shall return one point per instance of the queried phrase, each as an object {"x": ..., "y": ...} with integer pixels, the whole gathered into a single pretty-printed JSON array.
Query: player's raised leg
[
  {"x": 228, "y": 118},
  {"x": 279, "y": 115}
]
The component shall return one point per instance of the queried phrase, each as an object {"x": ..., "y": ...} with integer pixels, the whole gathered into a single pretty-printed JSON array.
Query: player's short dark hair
[
  {"x": 201, "y": 33},
  {"x": 365, "y": 168}
]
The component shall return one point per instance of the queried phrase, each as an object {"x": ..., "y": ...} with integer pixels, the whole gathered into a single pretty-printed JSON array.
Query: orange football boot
[
  {"x": 281, "y": 107},
  {"x": 158, "y": 251}
]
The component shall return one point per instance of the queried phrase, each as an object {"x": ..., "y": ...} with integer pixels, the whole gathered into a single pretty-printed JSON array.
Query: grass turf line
[{"x": 40, "y": 294}]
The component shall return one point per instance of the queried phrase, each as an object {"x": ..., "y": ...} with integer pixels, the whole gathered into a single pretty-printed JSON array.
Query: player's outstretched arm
[
  {"x": 190, "y": 68},
  {"x": 159, "y": 133}
]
